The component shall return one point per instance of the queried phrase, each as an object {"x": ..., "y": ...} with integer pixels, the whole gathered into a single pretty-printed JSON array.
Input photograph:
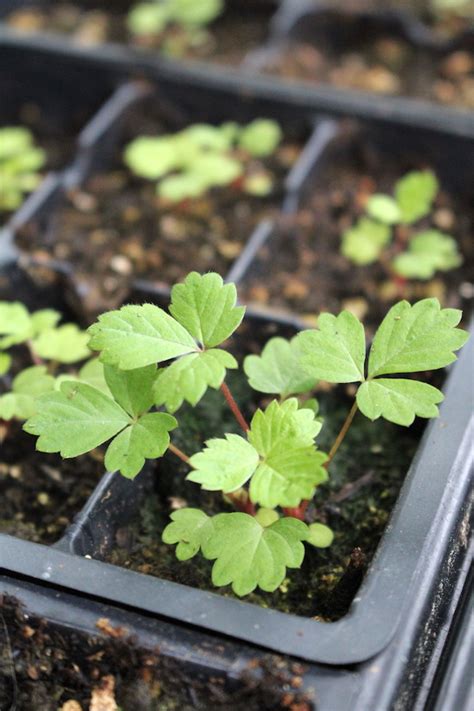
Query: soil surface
[
  {"x": 50, "y": 668},
  {"x": 115, "y": 229},
  {"x": 301, "y": 270},
  {"x": 92, "y": 23},
  {"x": 365, "y": 478}
]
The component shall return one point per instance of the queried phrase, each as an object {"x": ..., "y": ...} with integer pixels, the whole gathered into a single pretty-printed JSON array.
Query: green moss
[{"x": 365, "y": 479}]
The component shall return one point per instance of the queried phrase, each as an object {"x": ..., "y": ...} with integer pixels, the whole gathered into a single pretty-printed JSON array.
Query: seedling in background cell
[
  {"x": 20, "y": 163},
  {"x": 272, "y": 469},
  {"x": 175, "y": 26},
  {"x": 385, "y": 233},
  {"x": 190, "y": 163}
]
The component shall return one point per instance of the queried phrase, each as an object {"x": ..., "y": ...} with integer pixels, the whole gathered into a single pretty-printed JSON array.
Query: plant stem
[
  {"x": 184, "y": 457},
  {"x": 234, "y": 407},
  {"x": 343, "y": 431}
]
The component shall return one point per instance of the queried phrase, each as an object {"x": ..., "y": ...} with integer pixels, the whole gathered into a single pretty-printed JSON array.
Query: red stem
[{"x": 234, "y": 407}]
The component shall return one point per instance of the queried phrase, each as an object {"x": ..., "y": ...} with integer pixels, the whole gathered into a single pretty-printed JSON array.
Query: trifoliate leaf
[
  {"x": 278, "y": 369},
  {"x": 250, "y": 555},
  {"x": 287, "y": 476},
  {"x": 383, "y": 208},
  {"x": 364, "y": 242},
  {"x": 428, "y": 252},
  {"x": 320, "y": 536},
  {"x": 189, "y": 377},
  {"x": 132, "y": 389},
  {"x": 415, "y": 193},
  {"x": 190, "y": 528},
  {"x": 28, "y": 385},
  {"x": 225, "y": 465},
  {"x": 65, "y": 344},
  {"x": 416, "y": 338},
  {"x": 136, "y": 336},
  {"x": 260, "y": 137},
  {"x": 335, "y": 352},
  {"x": 5, "y": 363},
  {"x": 147, "y": 438},
  {"x": 398, "y": 400},
  {"x": 283, "y": 422},
  {"x": 75, "y": 420},
  {"x": 205, "y": 306}
]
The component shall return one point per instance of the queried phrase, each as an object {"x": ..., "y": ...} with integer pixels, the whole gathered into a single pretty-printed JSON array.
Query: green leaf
[
  {"x": 416, "y": 338},
  {"x": 75, "y": 420},
  {"x": 5, "y": 363},
  {"x": 383, "y": 208},
  {"x": 215, "y": 169},
  {"x": 364, "y": 242},
  {"x": 147, "y": 438},
  {"x": 283, "y": 424},
  {"x": 205, "y": 135},
  {"x": 92, "y": 373},
  {"x": 205, "y": 306},
  {"x": 28, "y": 385},
  {"x": 428, "y": 252},
  {"x": 44, "y": 320},
  {"x": 148, "y": 18},
  {"x": 398, "y": 400},
  {"x": 190, "y": 12},
  {"x": 225, "y": 465},
  {"x": 250, "y": 555},
  {"x": 266, "y": 517},
  {"x": 184, "y": 186},
  {"x": 189, "y": 377},
  {"x": 335, "y": 352},
  {"x": 415, "y": 193},
  {"x": 190, "y": 528},
  {"x": 132, "y": 389},
  {"x": 151, "y": 157},
  {"x": 136, "y": 336},
  {"x": 260, "y": 137},
  {"x": 320, "y": 536},
  {"x": 278, "y": 369},
  {"x": 15, "y": 324},
  {"x": 287, "y": 476},
  {"x": 65, "y": 344}
]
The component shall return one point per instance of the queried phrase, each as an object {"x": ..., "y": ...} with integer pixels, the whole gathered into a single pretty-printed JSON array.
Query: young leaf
[
  {"x": 278, "y": 370},
  {"x": 428, "y": 252},
  {"x": 28, "y": 385},
  {"x": 205, "y": 306},
  {"x": 320, "y": 535},
  {"x": 151, "y": 157},
  {"x": 92, "y": 373},
  {"x": 281, "y": 422},
  {"x": 190, "y": 12},
  {"x": 132, "y": 389},
  {"x": 266, "y": 517},
  {"x": 75, "y": 420},
  {"x": 383, "y": 208},
  {"x": 288, "y": 475},
  {"x": 250, "y": 555},
  {"x": 147, "y": 438},
  {"x": 44, "y": 320},
  {"x": 189, "y": 377},
  {"x": 415, "y": 193},
  {"x": 190, "y": 528},
  {"x": 225, "y": 464},
  {"x": 398, "y": 400},
  {"x": 5, "y": 363},
  {"x": 364, "y": 242},
  {"x": 416, "y": 338},
  {"x": 15, "y": 324},
  {"x": 136, "y": 336},
  {"x": 335, "y": 352},
  {"x": 260, "y": 137},
  {"x": 65, "y": 344}
]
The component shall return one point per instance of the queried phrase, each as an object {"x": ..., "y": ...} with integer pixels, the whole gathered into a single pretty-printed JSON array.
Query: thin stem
[
  {"x": 340, "y": 437},
  {"x": 234, "y": 407},
  {"x": 184, "y": 457}
]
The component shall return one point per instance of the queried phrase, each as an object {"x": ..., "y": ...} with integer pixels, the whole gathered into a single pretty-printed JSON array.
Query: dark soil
[
  {"x": 365, "y": 478},
  {"x": 51, "y": 668},
  {"x": 301, "y": 269},
  {"x": 115, "y": 229},
  {"x": 384, "y": 65},
  {"x": 41, "y": 493},
  {"x": 91, "y": 23}
]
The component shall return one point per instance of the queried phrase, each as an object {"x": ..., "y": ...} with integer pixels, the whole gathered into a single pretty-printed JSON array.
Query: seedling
[
  {"x": 175, "y": 26},
  {"x": 47, "y": 346},
  {"x": 20, "y": 163},
  {"x": 191, "y": 162},
  {"x": 409, "y": 255},
  {"x": 271, "y": 471}
]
